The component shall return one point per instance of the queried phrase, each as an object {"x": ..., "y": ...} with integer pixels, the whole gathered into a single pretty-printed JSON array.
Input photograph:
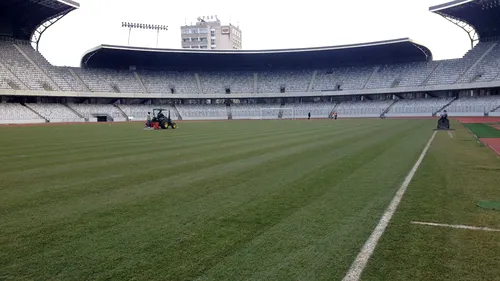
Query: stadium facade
[{"x": 387, "y": 78}]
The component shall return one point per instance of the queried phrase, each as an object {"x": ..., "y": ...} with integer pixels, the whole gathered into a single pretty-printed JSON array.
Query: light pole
[{"x": 157, "y": 27}]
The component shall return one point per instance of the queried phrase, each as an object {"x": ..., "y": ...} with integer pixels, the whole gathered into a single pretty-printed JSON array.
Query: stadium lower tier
[{"x": 19, "y": 113}]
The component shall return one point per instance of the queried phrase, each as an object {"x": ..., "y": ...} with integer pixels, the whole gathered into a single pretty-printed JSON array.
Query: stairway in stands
[
  {"x": 36, "y": 112},
  {"x": 121, "y": 111},
  {"x": 229, "y": 112},
  {"x": 50, "y": 84},
  {"x": 330, "y": 115},
  {"x": 176, "y": 112},
  {"x": 388, "y": 108},
  {"x": 463, "y": 77},
  {"x": 76, "y": 112},
  {"x": 494, "y": 109},
  {"x": 280, "y": 113},
  {"x": 375, "y": 70},
  {"x": 313, "y": 79},
  {"x": 444, "y": 107}
]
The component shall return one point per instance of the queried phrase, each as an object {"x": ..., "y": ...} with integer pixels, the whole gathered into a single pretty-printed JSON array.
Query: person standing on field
[
  {"x": 148, "y": 120},
  {"x": 309, "y": 116}
]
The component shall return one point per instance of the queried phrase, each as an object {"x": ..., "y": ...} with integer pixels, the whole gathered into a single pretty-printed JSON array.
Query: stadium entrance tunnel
[{"x": 103, "y": 118}]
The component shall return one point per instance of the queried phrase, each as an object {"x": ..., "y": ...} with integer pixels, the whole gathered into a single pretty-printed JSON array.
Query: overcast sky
[{"x": 265, "y": 24}]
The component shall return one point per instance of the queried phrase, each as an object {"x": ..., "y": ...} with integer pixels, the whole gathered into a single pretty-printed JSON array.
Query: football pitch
[{"x": 245, "y": 200}]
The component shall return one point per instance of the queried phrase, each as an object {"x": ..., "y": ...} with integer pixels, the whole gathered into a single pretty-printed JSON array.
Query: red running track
[
  {"x": 493, "y": 143},
  {"x": 469, "y": 120}
]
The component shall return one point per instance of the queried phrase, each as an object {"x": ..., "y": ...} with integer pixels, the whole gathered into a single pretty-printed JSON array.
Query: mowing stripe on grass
[
  {"x": 364, "y": 255},
  {"x": 458, "y": 226}
]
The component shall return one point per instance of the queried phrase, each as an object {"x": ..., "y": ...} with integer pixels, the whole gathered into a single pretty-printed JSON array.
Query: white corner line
[
  {"x": 364, "y": 255},
  {"x": 458, "y": 226}
]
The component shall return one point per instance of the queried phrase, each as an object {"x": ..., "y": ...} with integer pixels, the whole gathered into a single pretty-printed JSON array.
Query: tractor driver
[
  {"x": 444, "y": 115},
  {"x": 160, "y": 114}
]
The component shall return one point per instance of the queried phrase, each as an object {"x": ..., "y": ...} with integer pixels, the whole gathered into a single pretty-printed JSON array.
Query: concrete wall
[
  {"x": 25, "y": 121},
  {"x": 205, "y": 118},
  {"x": 465, "y": 114},
  {"x": 408, "y": 115},
  {"x": 67, "y": 120}
]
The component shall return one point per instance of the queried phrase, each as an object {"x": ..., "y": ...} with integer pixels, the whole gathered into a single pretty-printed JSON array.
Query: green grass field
[
  {"x": 243, "y": 200},
  {"x": 483, "y": 130}
]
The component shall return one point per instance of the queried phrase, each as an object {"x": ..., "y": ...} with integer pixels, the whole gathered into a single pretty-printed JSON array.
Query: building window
[
  {"x": 212, "y": 33},
  {"x": 203, "y": 39},
  {"x": 212, "y": 41}
]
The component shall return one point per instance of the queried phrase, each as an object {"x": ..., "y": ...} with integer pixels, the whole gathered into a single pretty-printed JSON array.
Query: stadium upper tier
[
  {"x": 22, "y": 68},
  {"x": 20, "y": 18}
]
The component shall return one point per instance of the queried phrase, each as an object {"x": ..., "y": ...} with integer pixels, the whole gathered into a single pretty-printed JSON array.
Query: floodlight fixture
[{"x": 156, "y": 27}]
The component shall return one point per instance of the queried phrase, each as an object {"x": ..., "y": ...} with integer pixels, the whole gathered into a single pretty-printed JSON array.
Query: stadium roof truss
[
  {"x": 28, "y": 19},
  {"x": 37, "y": 34},
  {"x": 478, "y": 18}
]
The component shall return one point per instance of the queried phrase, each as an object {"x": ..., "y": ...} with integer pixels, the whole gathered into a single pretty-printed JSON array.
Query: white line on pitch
[
  {"x": 450, "y": 134},
  {"x": 364, "y": 255},
  {"x": 456, "y": 226}
]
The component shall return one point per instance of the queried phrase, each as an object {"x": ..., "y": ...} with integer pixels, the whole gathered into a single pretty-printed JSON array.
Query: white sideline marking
[
  {"x": 364, "y": 255},
  {"x": 450, "y": 134},
  {"x": 459, "y": 226}
]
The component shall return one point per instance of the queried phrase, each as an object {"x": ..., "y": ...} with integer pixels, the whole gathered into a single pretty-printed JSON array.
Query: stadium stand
[
  {"x": 106, "y": 80},
  {"x": 417, "y": 107},
  {"x": 91, "y": 112},
  {"x": 140, "y": 111},
  {"x": 449, "y": 71},
  {"x": 290, "y": 81},
  {"x": 15, "y": 113},
  {"x": 218, "y": 82},
  {"x": 362, "y": 108},
  {"x": 473, "y": 106},
  {"x": 57, "y": 74},
  {"x": 487, "y": 69},
  {"x": 55, "y": 112},
  {"x": 350, "y": 78},
  {"x": 401, "y": 75},
  {"x": 169, "y": 82},
  {"x": 255, "y": 111},
  {"x": 317, "y": 110},
  {"x": 205, "y": 112},
  {"x": 28, "y": 76}
]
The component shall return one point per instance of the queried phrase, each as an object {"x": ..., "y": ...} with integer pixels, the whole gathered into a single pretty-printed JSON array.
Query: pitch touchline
[
  {"x": 456, "y": 226},
  {"x": 364, "y": 255}
]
